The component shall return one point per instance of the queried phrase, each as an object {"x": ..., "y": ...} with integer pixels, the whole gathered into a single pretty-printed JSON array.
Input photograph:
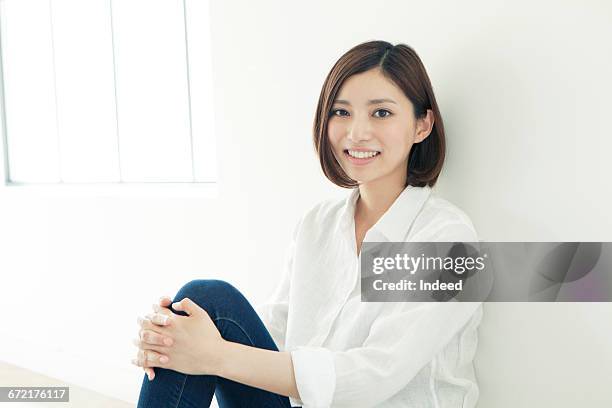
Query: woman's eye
[
  {"x": 339, "y": 112},
  {"x": 382, "y": 113}
]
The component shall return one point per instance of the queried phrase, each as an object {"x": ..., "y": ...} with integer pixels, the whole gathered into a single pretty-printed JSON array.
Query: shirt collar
[
  {"x": 347, "y": 215},
  {"x": 396, "y": 222}
]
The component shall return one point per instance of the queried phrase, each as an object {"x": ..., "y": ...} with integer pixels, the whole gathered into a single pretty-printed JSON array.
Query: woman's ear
[{"x": 424, "y": 126}]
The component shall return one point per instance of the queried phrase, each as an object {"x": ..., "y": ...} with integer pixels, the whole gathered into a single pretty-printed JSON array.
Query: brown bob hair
[{"x": 400, "y": 64}]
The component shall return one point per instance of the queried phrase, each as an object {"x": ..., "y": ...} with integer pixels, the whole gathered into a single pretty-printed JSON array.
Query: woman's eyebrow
[{"x": 370, "y": 102}]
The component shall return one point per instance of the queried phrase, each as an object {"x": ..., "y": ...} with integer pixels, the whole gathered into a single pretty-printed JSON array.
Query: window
[{"x": 103, "y": 91}]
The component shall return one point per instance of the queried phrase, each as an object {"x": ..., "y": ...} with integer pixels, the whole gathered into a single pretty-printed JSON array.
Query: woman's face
[{"x": 372, "y": 128}]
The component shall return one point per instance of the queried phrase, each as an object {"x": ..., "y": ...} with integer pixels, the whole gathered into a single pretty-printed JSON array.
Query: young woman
[{"x": 377, "y": 131}]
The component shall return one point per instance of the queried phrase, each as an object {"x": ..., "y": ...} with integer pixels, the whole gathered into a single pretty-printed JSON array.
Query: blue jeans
[{"x": 238, "y": 322}]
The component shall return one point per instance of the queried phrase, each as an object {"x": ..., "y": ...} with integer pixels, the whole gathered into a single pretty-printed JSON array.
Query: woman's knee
[{"x": 204, "y": 290}]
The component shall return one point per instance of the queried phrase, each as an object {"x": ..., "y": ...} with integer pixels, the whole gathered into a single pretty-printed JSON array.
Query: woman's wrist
[
  {"x": 266, "y": 369},
  {"x": 219, "y": 367}
]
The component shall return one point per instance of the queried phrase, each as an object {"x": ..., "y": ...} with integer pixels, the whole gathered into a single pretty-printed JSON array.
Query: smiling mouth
[
  {"x": 358, "y": 154},
  {"x": 361, "y": 158}
]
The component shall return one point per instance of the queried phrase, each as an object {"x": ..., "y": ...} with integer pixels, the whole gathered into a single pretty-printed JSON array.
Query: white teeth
[{"x": 362, "y": 155}]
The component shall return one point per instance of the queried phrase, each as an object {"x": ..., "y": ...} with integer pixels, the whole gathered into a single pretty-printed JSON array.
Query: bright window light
[{"x": 106, "y": 91}]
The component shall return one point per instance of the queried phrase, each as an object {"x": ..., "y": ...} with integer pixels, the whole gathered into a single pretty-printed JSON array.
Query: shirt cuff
[{"x": 315, "y": 376}]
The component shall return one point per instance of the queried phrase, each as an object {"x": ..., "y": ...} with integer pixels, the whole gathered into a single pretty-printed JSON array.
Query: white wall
[{"x": 524, "y": 89}]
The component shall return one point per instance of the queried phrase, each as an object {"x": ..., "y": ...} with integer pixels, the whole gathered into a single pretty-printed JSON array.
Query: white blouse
[{"x": 348, "y": 353}]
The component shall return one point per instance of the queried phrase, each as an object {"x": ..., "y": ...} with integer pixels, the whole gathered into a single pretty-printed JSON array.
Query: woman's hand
[
  {"x": 143, "y": 340},
  {"x": 196, "y": 344}
]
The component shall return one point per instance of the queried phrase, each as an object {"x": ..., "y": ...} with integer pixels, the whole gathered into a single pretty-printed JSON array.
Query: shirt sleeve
[
  {"x": 274, "y": 311},
  {"x": 400, "y": 343}
]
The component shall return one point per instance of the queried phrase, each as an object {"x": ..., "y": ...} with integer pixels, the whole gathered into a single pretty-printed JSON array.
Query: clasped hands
[{"x": 188, "y": 344}]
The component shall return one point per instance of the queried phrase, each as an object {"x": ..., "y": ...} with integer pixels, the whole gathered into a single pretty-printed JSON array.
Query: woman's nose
[{"x": 359, "y": 130}]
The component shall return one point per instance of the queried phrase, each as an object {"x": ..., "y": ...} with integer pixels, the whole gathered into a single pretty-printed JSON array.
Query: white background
[{"x": 524, "y": 89}]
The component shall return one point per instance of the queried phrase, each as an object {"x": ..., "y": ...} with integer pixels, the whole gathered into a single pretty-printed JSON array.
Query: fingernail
[
  {"x": 156, "y": 307},
  {"x": 163, "y": 359},
  {"x": 159, "y": 318},
  {"x": 168, "y": 341},
  {"x": 149, "y": 375},
  {"x": 136, "y": 342}
]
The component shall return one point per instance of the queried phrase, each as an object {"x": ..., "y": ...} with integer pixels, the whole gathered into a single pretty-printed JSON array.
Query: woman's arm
[
  {"x": 260, "y": 368},
  {"x": 197, "y": 348}
]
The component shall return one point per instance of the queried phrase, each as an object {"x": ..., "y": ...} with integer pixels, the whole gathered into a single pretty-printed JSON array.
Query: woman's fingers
[
  {"x": 164, "y": 303},
  {"x": 148, "y": 337},
  {"x": 150, "y": 358},
  {"x": 155, "y": 322},
  {"x": 151, "y": 341},
  {"x": 161, "y": 318}
]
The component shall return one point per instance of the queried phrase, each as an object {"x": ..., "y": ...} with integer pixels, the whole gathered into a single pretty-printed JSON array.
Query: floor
[{"x": 11, "y": 375}]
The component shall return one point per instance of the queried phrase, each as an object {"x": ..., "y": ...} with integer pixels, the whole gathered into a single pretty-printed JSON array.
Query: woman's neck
[{"x": 375, "y": 198}]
